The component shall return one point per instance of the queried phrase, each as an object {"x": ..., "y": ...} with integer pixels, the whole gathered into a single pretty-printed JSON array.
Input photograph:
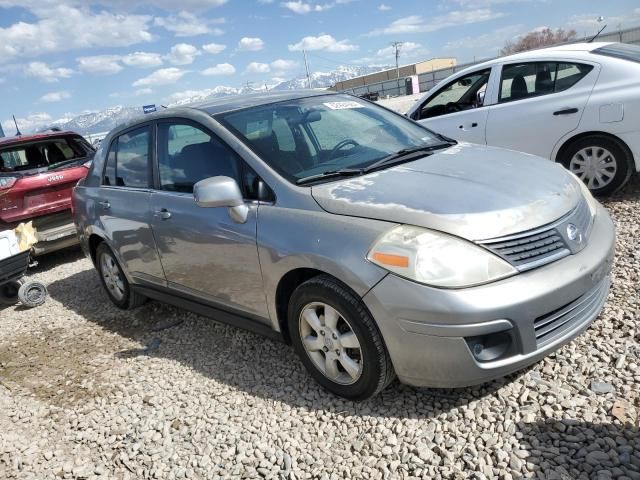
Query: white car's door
[
  {"x": 538, "y": 103},
  {"x": 458, "y": 109}
]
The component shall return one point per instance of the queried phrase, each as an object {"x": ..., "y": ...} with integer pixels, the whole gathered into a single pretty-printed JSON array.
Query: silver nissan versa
[{"x": 373, "y": 245}]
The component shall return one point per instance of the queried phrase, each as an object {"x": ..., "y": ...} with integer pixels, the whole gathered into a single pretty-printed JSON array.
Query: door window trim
[
  {"x": 150, "y": 159},
  {"x": 242, "y": 166}
]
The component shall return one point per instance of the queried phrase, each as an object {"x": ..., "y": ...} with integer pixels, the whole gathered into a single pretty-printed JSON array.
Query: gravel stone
[{"x": 91, "y": 391}]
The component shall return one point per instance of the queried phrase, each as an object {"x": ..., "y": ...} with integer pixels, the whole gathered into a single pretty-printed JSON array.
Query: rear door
[
  {"x": 458, "y": 109},
  {"x": 122, "y": 204},
  {"x": 539, "y": 103}
]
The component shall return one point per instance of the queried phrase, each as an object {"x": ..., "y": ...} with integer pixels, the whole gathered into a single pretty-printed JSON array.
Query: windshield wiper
[
  {"x": 343, "y": 172},
  {"x": 406, "y": 155}
]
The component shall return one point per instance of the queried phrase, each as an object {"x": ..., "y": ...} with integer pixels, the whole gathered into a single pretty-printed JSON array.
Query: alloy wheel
[
  {"x": 331, "y": 343},
  {"x": 112, "y": 276}
]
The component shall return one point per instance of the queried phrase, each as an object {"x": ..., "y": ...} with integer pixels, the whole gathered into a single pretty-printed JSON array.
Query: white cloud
[
  {"x": 589, "y": 22},
  {"x": 220, "y": 69},
  {"x": 142, "y": 59},
  {"x": 45, "y": 73},
  {"x": 163, "y": 76},
  {"x": 384, "y": 8},
  {"x": 143, "y": 91},
  {"x": 250, "y": 44},
  {"x": 183, "y": 54},
  {"x": 187, "y": 24},
  {"x": 406, "y": 47},
  {"x": 281, "y": 64},
  {"x": 323, "y": 42},
  {"x": 417, "y": 24},
  {"x": 55, "y": 96},
  {"x": 101, "y": 64},
  {"x": 257, "y": 67},
  {"x": 61, "y": 28},
  {"x": 28, "y": 123},
  {"x": 303, "y": 8},
  {"x": 487, "y": 45},
  {"x": 214, "y": 48}
]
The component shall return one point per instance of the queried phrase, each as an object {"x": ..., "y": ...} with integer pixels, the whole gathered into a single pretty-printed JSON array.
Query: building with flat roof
[{"x": 391, "y": 74}]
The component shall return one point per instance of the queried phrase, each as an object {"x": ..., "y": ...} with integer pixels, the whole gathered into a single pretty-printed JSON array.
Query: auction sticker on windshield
[{"x": 342, "y": 105}]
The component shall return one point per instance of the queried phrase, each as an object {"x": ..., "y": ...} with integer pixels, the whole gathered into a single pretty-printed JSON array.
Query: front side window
[
  {"x": 463, "y": 93},
  {"x": 127, "y": 163},
  {"x": 303, "y": 137},
  {"x": 188, "y": 154},
  {"x": 533, "y": 79}
]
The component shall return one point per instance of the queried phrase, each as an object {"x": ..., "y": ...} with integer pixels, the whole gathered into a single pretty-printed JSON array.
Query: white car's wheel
[{"x": 601, "y": 162}]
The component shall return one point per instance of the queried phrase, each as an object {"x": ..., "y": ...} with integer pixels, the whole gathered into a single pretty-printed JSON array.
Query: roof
[
  {"x": 237, "y": 102},
  {"x": 19, "y": 139}
]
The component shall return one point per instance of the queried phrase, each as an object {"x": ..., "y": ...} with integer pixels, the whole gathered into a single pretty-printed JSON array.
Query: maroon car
[{"x": 37, "y": 175}]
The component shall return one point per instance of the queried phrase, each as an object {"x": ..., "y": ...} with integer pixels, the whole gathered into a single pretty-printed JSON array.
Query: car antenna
[
  {"x": 18, "y": 133},
  {"x": 597, "y": 34}
]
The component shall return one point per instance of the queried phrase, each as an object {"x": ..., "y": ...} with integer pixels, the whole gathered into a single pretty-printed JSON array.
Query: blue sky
[{"x": 64, "y": 57}]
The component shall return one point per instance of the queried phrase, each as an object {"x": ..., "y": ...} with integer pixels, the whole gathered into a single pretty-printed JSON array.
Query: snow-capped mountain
[{"x": 105, "y": 120}]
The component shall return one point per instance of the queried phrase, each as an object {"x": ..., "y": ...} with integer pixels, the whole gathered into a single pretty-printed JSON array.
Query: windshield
[
  {"x": 311, "y": 136},
  {"x": 50, "y": 154},
  {"x": 620, "y": 50}
]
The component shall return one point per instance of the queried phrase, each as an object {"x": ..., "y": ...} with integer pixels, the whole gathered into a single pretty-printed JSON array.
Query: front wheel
[
  {"x": 337, "y": 339},
  {"x": 601, "y": 162}
]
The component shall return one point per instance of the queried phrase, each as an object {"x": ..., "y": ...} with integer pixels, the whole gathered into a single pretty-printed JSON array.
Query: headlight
[
  {"x": 7, "y": 182},
  {"x": 437, "y": 259},
  {"x": 592, "y": 202}
]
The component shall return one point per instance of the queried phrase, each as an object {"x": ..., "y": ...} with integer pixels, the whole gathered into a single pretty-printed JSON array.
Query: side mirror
[
  {"x": 480, "y": 97},
  {"x": 221, "y": 192}
]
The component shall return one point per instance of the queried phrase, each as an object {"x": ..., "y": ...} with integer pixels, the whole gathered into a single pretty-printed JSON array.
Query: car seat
[{"x": 519, "y": 88}]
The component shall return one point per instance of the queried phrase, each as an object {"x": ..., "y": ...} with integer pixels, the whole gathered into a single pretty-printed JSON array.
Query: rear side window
[
  {"x": 127, "y": 162},
  {"x": 620, "y": 50},
  {"x": 533, "y": 79}
]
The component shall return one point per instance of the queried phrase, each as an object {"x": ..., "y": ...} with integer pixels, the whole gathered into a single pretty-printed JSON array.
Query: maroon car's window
[{"x": 40, "y": 154}]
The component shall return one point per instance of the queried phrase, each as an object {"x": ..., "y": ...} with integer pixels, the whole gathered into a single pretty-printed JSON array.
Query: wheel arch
[
  {"x": 93, "y": 242},
  {"x": 564, "y": 146}
]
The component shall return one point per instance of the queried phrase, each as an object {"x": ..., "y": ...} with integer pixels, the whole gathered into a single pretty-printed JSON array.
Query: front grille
[
  {"x": 549, "y": 326},
  {"x": 533, "y": 248},
  {"x": 544, "y": 245}
]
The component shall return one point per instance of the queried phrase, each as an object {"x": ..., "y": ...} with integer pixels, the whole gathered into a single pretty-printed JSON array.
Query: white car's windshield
[{"x": 306, "y": 137}]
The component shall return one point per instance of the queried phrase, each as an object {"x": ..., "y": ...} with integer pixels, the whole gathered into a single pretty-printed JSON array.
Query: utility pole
[
  {"x": 306, "y": 66},
  {"x": 396, "y": 47}
]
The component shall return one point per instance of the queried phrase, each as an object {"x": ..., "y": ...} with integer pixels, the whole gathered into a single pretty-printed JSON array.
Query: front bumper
[{"x": 429, "y": 332}]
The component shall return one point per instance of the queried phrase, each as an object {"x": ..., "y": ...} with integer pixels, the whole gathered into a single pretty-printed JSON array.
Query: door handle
[
  {"x": 566, "y": 111},
  {"x": 473, "y": 125},
  {"x": 163, "y": 213},
  {"x": 105, "y": 204}
]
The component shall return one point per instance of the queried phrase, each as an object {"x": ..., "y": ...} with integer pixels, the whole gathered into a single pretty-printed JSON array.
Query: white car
[{"x": 576, "y": 104}]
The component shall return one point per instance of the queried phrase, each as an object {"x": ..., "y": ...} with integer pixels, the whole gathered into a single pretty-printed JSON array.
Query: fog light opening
[{"x": 487, "y": 348}]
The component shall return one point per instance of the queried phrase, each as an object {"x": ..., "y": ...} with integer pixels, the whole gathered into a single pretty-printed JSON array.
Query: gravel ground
[{"x": 88, "y": 391}]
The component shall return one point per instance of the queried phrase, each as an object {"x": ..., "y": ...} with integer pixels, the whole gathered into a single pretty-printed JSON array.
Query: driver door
[{"x": 458, "y": 109}]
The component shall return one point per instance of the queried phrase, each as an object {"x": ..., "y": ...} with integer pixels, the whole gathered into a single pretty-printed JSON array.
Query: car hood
[{"x": 472, "y": 191}]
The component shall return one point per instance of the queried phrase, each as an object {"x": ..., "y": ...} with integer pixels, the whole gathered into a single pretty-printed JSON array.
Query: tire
[
  {"x": 367, "y": 369},
  {"x": 9, "y": 291},
  {"x": 616, "y": 161},
  {"x": 110, "y": 271},
  {"x": 32, "y": 294}
]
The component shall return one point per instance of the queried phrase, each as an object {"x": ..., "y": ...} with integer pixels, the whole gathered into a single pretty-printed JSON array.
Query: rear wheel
[
  {"x": 114, "y": 281},
  {"x": 601, "y": 162},
  {"x": 337, "y": 339},
  {"x": 9, "y": 291}
]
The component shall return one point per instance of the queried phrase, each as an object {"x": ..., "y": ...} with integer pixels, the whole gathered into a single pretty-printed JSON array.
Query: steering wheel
[
  {"x": 452, "y": 107},
  {"x": 341, "y": 145}
]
